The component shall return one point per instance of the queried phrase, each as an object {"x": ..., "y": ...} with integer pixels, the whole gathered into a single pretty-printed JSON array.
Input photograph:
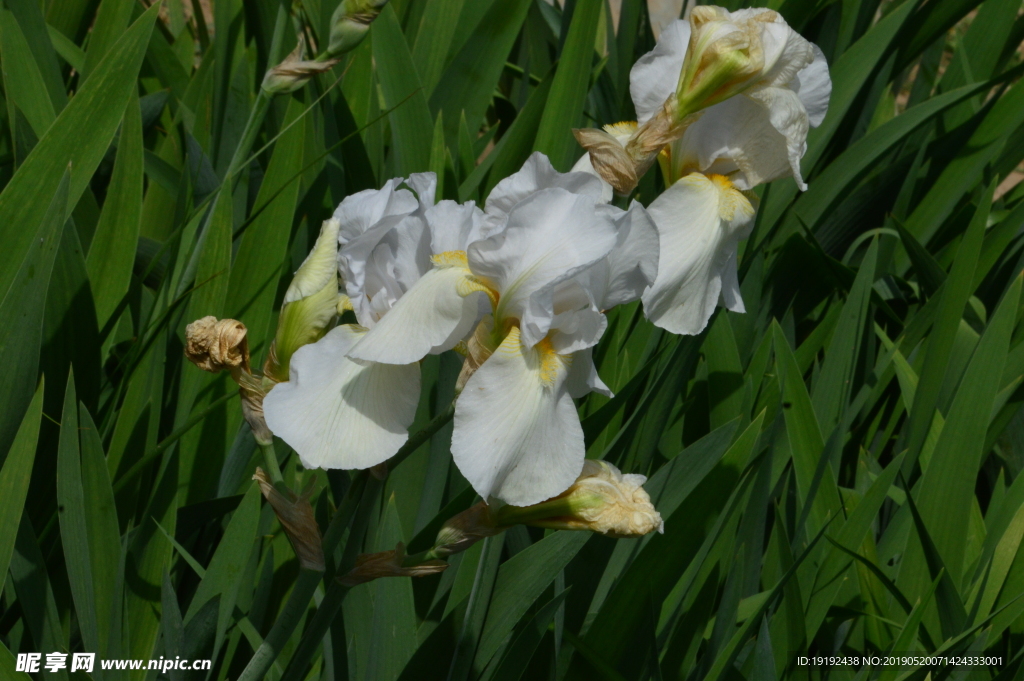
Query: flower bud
[
  {"x": 465, "y": 529},
  {"x": 217, "y": 345},
  {"x": 310, "y": 303},
  {"x": 294, "y": 71},
  {"x": 601, "y": 500},
  {"x": 350, "y": 22},
  {"x": 296, "y": 517},
  {"x": 725, "y": 56},
  {"x": 371, "y": 566},
  {"x": 220, "y": 345}
]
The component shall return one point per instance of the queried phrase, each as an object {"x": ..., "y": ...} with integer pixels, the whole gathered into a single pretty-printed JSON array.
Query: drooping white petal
[
  {"x": 583, "y": 376},
  {"x": 576, "y": 330},
  {"x": 550, "y": 236},
  {"x": 814, "y": 87},
  {"x": 433, "y": 316},
  {"x": 453, "y": 226},
  {"x": 700, "y": 220},
  {"x": 536, "y": 174},
  {"x": 731, "y": 298},
  {"x": 632, "y": 265},
  {"x": 787, "y": 115},
  {"x": 336, "y": 412},
  {"x": 654, "y": 76},
  {"x": 517, "y": 436}
]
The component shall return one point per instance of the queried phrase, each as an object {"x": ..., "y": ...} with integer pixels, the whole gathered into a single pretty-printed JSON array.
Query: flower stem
[
  {"x": 304, "y": 588},
  {"x": 270, "y": 459},
  {"x": 306, "y": 584}
]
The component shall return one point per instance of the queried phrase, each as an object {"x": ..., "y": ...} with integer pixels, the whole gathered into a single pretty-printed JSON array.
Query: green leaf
[
  {"x": 14, "y": 479},
  {"x": 411, "y": 122},
  {"x": 23, "y": 82},
  {"x": 393, "y": 628},
  {"x": 21, "y": 315},
  {"x": 433, "y": 40},
  {"x": 112, "y": 251},
  {"x": 964, "y": 171},
  {"x": 73, "y": 529},
  {"x": 468, "y": 84},
  {"x": 112, "y": 19},
  {"x": 834, "y": 386},
  {"x": 949, "y": 479},
  {"x": 260, "y": 259},
  {"x": 521, "y": 580},
  {"x": 222, "y": 579},
  {"x": 955, "y": 293},
  {"x": 103, "y": 533},
  {"x": 564, "y": 108},
  {"x": 97, "y": 109}
]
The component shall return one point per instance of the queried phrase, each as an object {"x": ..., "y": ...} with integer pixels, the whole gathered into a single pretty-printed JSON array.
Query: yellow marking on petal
[
  {"x": 344, "y": 303},
  {"x": 730, "y": 199},
  {"x": 551, "y": 363},
  {"x": 450, "y": 259}
]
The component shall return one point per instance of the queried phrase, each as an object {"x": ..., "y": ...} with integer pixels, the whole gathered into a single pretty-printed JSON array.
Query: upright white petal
[
  {"x": 336, "y": 412},
  {"x": 425, "y": 186},
  {"x": 517, "y": 436},
  {"x": 654, "y": 76},
  {"x": 453, "y": 226},
  {"x": 360, "y": 211},
  {"x": 441, "y": 309},
  {"x": 700, "y": 221},
  {"x": 536, "y": 174},
  {"x": 550, "y": 236}
]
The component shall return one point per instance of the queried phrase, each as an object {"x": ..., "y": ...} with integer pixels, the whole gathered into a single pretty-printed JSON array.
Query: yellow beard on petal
[
  {"x": 471, "y": 283},
  {"x": 730, "y": 199},
  {"x": 551, "y": 363}
]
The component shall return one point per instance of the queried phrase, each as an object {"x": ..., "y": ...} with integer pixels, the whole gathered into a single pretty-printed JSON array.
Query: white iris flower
[
  {"x": 528, "y": 279},
  {"x": 766, "y": 86},
  {"x": 337, "y": 412}
]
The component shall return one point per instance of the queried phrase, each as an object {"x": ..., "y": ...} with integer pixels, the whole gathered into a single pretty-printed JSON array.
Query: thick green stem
[
  {"x": 308, "y": 580},
  {"x": 270, "y": 459},
  {"x": 325, "y": 614},
  {"x": 304, "y": 588}
]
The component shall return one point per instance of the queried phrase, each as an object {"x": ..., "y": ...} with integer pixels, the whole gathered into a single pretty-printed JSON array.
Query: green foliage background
[{"x": 840, "y": 468}]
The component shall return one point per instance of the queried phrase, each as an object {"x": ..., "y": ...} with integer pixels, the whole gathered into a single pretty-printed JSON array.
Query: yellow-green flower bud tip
[
  {"x": 310, "y": 303},
  {"x": 725, "y": 57},
  {"x": 296, "y": 517},
  {"x": 601, "y": 500},
  {"x": 350, "y": 23}
]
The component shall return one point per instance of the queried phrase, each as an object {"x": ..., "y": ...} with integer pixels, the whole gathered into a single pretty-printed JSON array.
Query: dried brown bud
[
  {"x": 217, "y": 345},
  {"x": 294, "y": 71},
  {"x": 371, "y": 566},
  {"x": 465, "y": 529},
  {"x": 296, "y": 516}
]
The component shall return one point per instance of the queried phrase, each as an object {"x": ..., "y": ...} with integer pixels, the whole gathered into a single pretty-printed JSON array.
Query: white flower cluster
[{"x": 521, "y": 285}]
